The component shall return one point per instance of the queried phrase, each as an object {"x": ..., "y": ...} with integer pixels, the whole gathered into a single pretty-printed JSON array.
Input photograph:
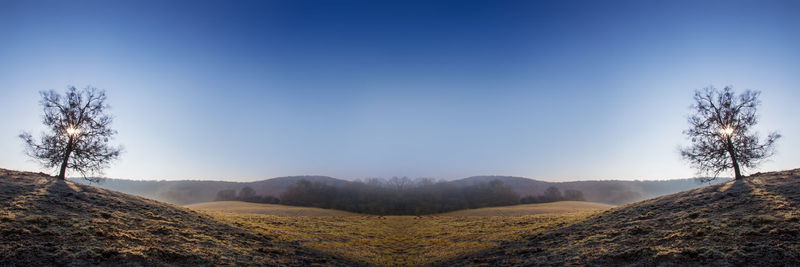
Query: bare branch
[
  {"x": 79, "y": 132},
  {"x": 720, "y": 132}
]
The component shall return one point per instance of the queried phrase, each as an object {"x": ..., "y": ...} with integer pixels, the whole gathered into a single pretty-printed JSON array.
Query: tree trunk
[
  {"x": 736, "y": 171},
  {"x": 732, "y": 152},
  {"x": 62, "y": 173}
]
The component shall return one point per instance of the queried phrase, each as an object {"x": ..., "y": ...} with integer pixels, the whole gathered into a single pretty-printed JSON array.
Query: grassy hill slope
[
  {"x": 532, "y": 209},
  {"x": 44, "y": 222},
  {"x": 750, "y": 222},
  {"x": 267, "y": 209}
]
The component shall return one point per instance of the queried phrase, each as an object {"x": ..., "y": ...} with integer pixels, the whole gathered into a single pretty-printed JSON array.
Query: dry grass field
[
  {"x": 750, "y": 222},
  {"x": 44, "y": 221},
  {"x": 50, "y": 222},
  {"x": 266, "y": 209},
  {"x": 533, "y": 209},
  {"x": 47, "y": 222},
  {"x": 400, "y": 240}
]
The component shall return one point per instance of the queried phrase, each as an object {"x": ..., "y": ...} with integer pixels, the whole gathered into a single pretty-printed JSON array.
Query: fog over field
[{"x": 190, "y": 192}]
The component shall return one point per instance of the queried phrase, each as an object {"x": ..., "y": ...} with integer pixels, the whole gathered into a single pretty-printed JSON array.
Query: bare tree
[
  {"x": 721, "y": 132},
  {"x": 400, "y": 184},
  {"x": 78, "y": 132}
]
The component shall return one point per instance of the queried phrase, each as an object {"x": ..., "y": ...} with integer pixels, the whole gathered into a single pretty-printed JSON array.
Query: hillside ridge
[
  {"x": 755, "y": 221},
  {"x": 615, "y": 192},
  {"x": 45, "y": 221},
  {"x": 185, "y": 192}
]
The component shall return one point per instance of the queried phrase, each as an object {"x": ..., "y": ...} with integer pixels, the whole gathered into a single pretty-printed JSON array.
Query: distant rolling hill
[
  {"x": 532, "y": 209},
  {"x": 184, "y": 192},
  {"x": 47, "y": 222},
  {"x": 751, "y": 222},
  {"x": 616, "y": 192},
  {"x": 240, "y": 207}
]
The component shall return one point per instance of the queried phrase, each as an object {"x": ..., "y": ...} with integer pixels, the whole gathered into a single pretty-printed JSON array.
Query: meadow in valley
[
  {"x": 51, "y": 222},
  {"x": 399, "y": 133},
  {"x": 400, "y": 240}
]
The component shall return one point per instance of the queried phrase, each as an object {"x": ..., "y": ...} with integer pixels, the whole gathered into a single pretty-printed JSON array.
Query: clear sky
[{"x": 552, "y": 90}]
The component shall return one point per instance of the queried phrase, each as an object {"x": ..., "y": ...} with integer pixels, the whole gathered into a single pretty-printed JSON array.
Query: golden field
[
  {"x": 45, "y": 222},
  {"x": 399, "y": 240},
  {"x": 532, "y": 209},
  {"x": 749, "y": 222},
  {"x": 50, "y": 222},
  {"x": 267, "y": 209}
]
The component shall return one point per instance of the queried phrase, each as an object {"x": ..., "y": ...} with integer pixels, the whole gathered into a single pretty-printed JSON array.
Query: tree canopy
[
  {"x": 721, "y": 132},
  {"x": 79, "y": 132}
]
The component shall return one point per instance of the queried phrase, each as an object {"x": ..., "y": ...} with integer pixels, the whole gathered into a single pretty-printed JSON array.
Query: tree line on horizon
[
  {"x": 246, "y": 194},
  {"x": 552, "y": 194},
  {"x": 399, "y": 196}
]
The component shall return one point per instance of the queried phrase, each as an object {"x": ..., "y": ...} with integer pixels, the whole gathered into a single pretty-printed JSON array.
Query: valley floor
[
  {"x": 400, "y": 240},
  {"x": 45, "y": 222}
]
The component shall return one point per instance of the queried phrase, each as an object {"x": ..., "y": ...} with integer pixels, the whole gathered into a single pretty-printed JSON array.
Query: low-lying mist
[{"x": 399, "y": 195}]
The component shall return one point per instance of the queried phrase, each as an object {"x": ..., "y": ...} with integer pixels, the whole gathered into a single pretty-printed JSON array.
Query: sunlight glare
[
  {"x": 73, "y": 131},
  {"x": 726, "y": 131}
]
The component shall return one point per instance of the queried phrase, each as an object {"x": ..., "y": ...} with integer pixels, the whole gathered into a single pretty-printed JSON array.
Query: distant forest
[
  {"x": 400, "y": 196},
  {"x": 553, "y": 194},
  {"x": 184, "y": 192},
  {"x": 246, "y": 194}
]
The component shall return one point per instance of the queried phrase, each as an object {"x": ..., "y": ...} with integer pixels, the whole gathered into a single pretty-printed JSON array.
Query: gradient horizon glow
[{"x": 551, "y": 90}]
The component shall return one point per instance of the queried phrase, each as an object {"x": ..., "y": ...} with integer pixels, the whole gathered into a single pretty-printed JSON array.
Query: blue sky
[{"x": 552, "y": 90}]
